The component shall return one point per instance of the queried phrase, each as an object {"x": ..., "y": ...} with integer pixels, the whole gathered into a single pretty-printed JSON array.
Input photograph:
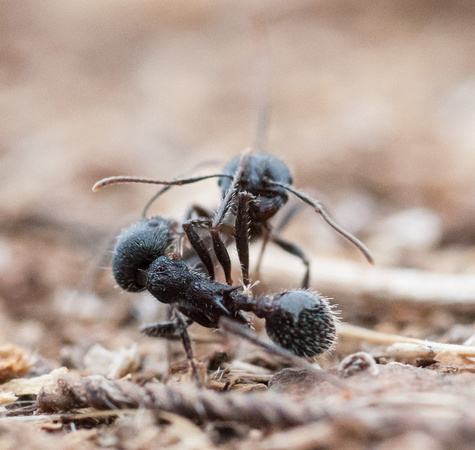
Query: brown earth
[{"x": 372, "y": 108}]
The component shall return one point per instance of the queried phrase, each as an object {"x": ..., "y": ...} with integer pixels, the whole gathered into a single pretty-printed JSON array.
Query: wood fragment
[
  {"x": 31, "y": 386},
  {"x": 404, "y": 347},
  {"x": 361, "y": 333}
]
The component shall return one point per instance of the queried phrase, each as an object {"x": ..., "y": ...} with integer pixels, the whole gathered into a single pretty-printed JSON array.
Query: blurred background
[{"x": 372, "y": 106}]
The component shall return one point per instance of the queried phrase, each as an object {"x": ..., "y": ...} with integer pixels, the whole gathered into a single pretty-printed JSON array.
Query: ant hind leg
[
  {"x": 295, "y": 250},
  {"x": 270, "y": 232},
  {"x": 238, "y": 330},
  {"x": 166, "y": 330},
  {"x": 175, "y": 330}
]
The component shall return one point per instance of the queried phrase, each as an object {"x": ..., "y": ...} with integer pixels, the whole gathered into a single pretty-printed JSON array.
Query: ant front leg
[
  {"x": 198, "y": 245},
  {"x": 220, "y": 250},
  {"x": 199, "y": 211},
  {"x": 271, "y": 234},
  {"x": 266, "y": 233},
  {"x": 228, "y": 202},
  {"x": 222, "y": 254},
  {"x": 238, "y": 330},
  {"x": 241, "y": 233}
]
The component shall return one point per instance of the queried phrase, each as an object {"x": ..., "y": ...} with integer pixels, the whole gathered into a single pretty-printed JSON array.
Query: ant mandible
[{"x": 254, "y": 188}]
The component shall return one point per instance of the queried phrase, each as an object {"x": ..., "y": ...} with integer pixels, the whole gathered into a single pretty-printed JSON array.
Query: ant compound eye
[
  {"x": 302, "y": 322},
  {"x": 273, "y": 168},
  {"x": 137, "y": 247}
]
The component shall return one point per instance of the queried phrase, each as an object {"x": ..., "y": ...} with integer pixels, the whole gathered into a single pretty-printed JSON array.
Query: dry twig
[
  {"x": 404, "y": 347},
  {"x": 255, "y": 409},
  {"x": 387, "y": 285}
]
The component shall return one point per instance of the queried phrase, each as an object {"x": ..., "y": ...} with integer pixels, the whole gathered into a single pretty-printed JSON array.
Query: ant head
[
  {"x": 258, "y": 169},
  {"x": 302, "y": 322},
  {"x": 137, "y": 247},
  {"x": 259, "y": 172}
]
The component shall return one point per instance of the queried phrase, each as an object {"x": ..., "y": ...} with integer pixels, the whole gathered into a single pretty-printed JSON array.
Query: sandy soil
[{"x": 372, "y": 106}]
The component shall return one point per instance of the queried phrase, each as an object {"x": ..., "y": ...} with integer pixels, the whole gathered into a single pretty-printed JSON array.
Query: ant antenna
[
  {"x": 167, "y": 188},
  {"x": 126, "y": 179},
  {"x": 150, "y": 202},
  {"x": 261, "y": 71},
  {"x": 318, "y": 209}
]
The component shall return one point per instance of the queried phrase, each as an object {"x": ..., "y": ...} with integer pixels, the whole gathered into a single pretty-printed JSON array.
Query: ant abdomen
[
  {"x": 300, "y": 321},
  {"x": 137, "y": 247}
]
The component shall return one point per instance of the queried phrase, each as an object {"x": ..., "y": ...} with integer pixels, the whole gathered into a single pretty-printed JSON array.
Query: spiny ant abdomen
[
  {"x": 137, "y": 247},
  {"x": 302, "y": 322}
]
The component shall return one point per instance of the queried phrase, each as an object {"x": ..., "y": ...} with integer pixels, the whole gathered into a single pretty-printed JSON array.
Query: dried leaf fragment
[
  {"x": 7, "y": 397},
  {"x": 31, "y": 386},
  {"x": 14, "y": 362}
]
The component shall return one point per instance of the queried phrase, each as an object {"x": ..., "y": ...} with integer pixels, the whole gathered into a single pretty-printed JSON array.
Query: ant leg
[
  {"x": 198, "y": 245},
  {"x": 269, "y": 231},
  {"x": 202, "y": 214},
  {"x": 265, "y": 241},
  {"x": 220, "y": 250},
  {"x": 174, "y": 330},
  {"x": 197, "y": 242},
  {"x": 185, "y": 338},
  {"x": 167, "y": 330},
  {"x": 199, "y": 211},
  {"x": 269, "y": 234},
  {"x": 284, "y": 220},
  {"x": 228, "y": 201},
  {"x": 238, "y": 330},
  {"x": 326, "y": 217},
  {"x": 170, "y": 330},
  {"x": 295, "y": 250},
  {"x": 241, "y": 234},
  {"x": 222, "y": 254}
]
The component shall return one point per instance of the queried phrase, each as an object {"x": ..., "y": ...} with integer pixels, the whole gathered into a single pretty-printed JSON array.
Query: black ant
[
  {"x": 254, "y": 188},
  {"x": 299, "y": 321}
]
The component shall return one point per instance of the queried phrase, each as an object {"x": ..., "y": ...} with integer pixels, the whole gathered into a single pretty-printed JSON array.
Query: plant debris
[
  {"x": 14, "y": 362},
  {"x": 372, "y": 109}
]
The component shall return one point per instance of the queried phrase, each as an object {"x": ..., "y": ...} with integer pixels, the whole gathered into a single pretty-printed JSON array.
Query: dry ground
[{"x": 373, "y": 108}]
